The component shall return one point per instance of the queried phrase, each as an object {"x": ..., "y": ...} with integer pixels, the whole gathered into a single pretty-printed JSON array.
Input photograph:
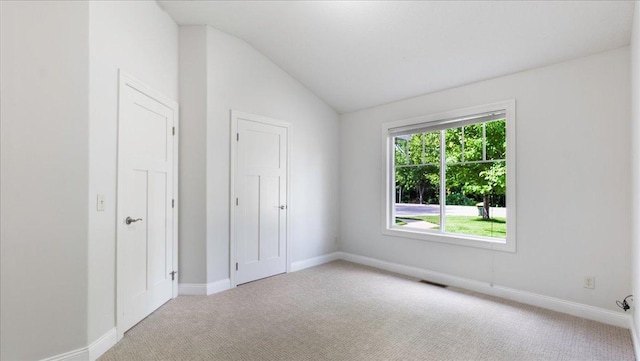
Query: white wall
[
  {"x": 60, "y": 64},
  {"x": 193, "y": 155},
  {"x": 573, "y": 155},
  {"x": 635, "y": 135},
  {"x": 240, "y": 78},
  {"x": 44, "y": 175},
  {"x": 142, "y": 40}
]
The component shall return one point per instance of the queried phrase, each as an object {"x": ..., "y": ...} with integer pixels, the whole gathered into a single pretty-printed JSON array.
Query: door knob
[
  {"x": 283, "y": 207},
  {"x": 130, "y": 220}
]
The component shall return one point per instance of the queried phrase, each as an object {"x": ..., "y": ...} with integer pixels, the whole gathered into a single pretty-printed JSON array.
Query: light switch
[{"x": 100, "y": 202}]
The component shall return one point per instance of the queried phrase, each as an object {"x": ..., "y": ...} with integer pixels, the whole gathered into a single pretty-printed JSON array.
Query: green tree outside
[{"x": 475, "y": 159}]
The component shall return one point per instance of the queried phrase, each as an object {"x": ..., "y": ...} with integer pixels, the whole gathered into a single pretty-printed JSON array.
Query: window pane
[
  {"x": 496, "y": 139},
  {"x": 453, "y": 141},
  {"x": 469, "y": 186},
  {"x": 418, "y": 197},
  {"x": 431, "y": 147},
  {"x": 473, "y": 142},
  {"x": 401, "y": 150},
  {"x": 415, "y": 149}
]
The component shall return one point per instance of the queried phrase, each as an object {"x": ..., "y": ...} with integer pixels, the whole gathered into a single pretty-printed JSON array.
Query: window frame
[{"x": 454, "y": 118}]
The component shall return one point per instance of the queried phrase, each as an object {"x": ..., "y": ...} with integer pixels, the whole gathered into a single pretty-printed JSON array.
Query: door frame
[
  {"x": 125, "y": 80},
  {"x": 235, "y": 116}
]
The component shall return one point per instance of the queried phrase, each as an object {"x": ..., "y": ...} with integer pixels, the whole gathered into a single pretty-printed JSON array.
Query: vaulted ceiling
[{"x": 359, "y": 54}]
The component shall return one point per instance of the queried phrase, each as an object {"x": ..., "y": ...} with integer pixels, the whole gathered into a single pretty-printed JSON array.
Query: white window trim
[{"x": 388, "y": 183}]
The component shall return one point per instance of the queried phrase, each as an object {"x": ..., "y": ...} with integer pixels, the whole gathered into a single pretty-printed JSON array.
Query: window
[{"x": 450, "y": 177}]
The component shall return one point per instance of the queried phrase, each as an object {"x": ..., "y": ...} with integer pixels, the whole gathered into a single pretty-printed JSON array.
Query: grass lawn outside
[{"x": 495, "y": 227}]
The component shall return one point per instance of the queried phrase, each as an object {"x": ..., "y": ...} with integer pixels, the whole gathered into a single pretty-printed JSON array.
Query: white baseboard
[
  {"x": 192, "y": 289},
  {"x": 91, "y": 352},
  {"x": 102, "y": 344},
  {"x": 81, "y": 354},
  {"x": 315, "y": 261},
  {"x": 551, "y": 303},
  {"x": 218, "y": 286},
  {"x": 203, "y": 289}
]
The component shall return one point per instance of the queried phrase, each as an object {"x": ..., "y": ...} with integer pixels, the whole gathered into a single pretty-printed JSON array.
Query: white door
[
  {"x": 145, "y": 196},
  {"x": 261, "y": 198}
]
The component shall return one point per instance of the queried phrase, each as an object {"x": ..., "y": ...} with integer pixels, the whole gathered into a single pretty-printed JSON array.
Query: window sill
[{"x": 455, "y": 239}]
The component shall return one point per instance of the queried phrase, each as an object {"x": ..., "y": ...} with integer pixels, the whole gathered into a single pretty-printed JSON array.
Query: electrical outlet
[{"x": 589, "y": 282}]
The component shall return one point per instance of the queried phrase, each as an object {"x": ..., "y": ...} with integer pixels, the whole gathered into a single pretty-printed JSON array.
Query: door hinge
[
  {"x": 174, "y": 130},
  {"x": 173, "y": 275},
  {"x": 236, "y": 266},
  {"x": 237, "y": 136},
  {"x": 173, "y": 203},
  {"x": 236, "y": 201}
]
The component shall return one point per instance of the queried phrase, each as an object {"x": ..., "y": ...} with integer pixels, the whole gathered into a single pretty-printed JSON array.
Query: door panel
[
  {"x": 261, "y": 189},
  {"x": 270, "y": 217},
  {"x": 137, "y": 256},
  {"x": 151, "y": 127},
  {"x": 145, "y": 192},
  {"x": 250, "y": 215},
  {"x": 158, "y": 247},
  {"x": 263, "y": 149}
]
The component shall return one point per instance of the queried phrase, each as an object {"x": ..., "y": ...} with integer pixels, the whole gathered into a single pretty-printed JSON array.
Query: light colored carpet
[{"x": 343, "y": 311}]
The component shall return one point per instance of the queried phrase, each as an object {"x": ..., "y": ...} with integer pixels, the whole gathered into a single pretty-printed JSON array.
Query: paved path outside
[
  {"x": 413, "y": 223},
  {"x": 407, "y": 209}
]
